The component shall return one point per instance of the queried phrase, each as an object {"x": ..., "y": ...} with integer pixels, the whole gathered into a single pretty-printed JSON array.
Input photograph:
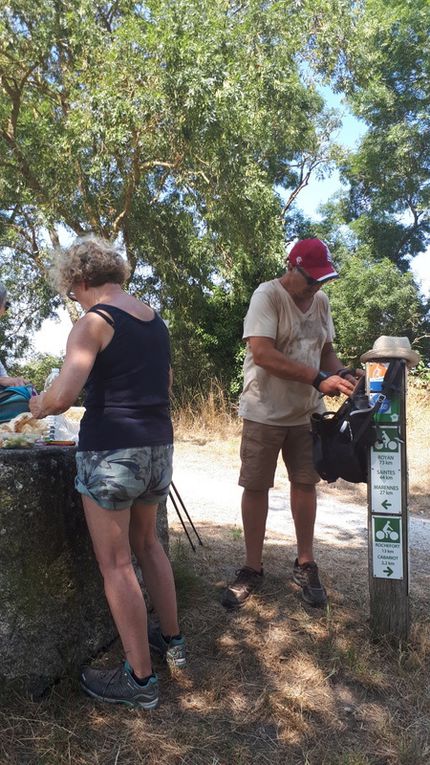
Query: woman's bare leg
[
  {"x": 155, "y": 565},
  {"x": 109, "y": 530}
]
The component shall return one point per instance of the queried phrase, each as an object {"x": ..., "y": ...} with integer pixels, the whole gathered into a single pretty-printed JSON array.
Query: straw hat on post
[{"x": 386, "y": 347}]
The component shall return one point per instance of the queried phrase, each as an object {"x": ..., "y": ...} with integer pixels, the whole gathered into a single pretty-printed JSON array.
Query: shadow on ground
[{"x": 276, "y": 683}]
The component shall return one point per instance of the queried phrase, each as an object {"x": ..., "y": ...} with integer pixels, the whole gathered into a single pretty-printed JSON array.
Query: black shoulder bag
[{"x": 341, "y": 439}]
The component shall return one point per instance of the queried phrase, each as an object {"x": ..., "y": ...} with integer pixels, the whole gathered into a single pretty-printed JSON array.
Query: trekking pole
[
  {"x": 181, "y": 519},
  {"x": 186, "y": 512}
]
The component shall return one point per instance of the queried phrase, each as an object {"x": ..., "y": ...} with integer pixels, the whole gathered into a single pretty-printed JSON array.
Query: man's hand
[
  {"x": 351, "y": 374},
  {"x": 336, "y": 384}
]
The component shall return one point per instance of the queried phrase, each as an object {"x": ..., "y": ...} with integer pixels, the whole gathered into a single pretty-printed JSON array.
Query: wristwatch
[{"x": 319, "y": 378}]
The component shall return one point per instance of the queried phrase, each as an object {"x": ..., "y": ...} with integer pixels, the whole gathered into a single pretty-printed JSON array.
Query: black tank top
[{"x": 127, "y": 392}]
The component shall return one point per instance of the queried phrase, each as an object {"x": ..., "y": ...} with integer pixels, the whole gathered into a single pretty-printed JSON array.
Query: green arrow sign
[
  {"x": 388, "y": 571},
  {"x": 386, "y": 504}
]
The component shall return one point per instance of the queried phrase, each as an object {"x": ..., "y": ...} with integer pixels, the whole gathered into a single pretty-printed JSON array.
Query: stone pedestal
[{"x": 53, "y": 613}]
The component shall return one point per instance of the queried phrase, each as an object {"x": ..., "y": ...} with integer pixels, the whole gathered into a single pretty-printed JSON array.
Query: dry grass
[
  {"x": 418, "y": 408},
  {"x": 276, "y": 683},
  {"x": 207, "y": 416}
]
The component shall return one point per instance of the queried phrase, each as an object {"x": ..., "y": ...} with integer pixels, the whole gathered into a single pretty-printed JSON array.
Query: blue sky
[{"x": 348, "y": 135}]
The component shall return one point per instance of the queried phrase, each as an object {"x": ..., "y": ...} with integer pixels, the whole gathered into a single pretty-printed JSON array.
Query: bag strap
[
  {"x": 370, "y": 414},
  {"x": 390, "y": 385},
  {"x": 340, "y": 413}
]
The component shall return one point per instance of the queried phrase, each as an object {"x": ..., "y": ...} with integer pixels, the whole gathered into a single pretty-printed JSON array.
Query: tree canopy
[
  {"x": 186, "y": 130},
  {"x": 387, "y": 81}
]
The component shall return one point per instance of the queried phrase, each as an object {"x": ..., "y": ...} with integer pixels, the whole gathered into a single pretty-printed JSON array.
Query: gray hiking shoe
[
  {"x": 173, "y": 651},
  {"x": 306, "y": 576},
  {"x": 118, "y": 686},
  {"x": 247, "y": 581}
]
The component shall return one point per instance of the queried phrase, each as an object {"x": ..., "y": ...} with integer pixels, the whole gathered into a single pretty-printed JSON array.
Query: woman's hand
[{"x": 36, "y": 406}]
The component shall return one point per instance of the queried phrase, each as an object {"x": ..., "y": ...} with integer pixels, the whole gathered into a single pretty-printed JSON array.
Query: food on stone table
[
  {"x": 25, "y": 423},
  {"x": 21, "y": 432},
  {"x": 17, "y": 440}
]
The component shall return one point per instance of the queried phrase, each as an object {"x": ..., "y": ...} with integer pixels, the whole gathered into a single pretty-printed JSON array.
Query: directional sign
[
  {"x": 388, "y": 499},
  {"x": 387, "y": 547},
  {"x": 385, "y": 464}
]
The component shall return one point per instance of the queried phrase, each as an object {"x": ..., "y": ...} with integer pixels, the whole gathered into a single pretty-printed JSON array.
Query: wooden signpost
[{"x": 388, "y": 509}]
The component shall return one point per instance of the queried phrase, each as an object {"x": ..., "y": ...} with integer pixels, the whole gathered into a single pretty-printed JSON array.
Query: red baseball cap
[{"x": 314, "y": 257}]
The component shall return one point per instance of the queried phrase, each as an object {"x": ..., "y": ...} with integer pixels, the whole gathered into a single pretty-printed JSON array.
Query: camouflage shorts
[{"x": 117, "y": 477}]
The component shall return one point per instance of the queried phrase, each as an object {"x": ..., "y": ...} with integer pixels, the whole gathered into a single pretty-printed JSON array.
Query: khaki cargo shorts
[{"x": 259, "y": 450}]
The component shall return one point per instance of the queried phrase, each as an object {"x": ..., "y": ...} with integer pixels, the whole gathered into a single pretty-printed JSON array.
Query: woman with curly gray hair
[{"x": 119, "y": 353}]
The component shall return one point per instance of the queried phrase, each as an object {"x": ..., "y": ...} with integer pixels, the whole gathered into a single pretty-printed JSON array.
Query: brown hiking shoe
[
  {"x": 247, "y": 581},
  {"x": 307, "y": 577}
]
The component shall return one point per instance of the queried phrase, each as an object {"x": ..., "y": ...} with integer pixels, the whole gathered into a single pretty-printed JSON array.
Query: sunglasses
[
  {"x": 71, "y": 295},
  {"x": 310, "y": 281},
  {"x": 6, "y": 305}
]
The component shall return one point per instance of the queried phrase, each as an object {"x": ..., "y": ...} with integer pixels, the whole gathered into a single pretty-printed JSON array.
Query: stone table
[{"x": 53, "y": 613}]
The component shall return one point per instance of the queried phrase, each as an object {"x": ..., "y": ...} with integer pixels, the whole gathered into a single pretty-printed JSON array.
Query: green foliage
[
  {"x": 31, "y": 301},
  {"x": 384, "y": 212},
  {"x": 387, "y": 79},
  {"x": 37, "y": 369},
  {"x": 421, "y": 376},
  {"x": 185, "y": 130},
  {"x": 372, "y": 298}
]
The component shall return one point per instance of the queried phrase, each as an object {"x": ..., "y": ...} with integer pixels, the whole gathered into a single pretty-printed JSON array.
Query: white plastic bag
[{"x": 66, "y": 429}]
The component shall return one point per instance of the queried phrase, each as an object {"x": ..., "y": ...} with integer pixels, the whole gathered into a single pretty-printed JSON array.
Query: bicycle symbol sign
[
  {"x": 388, "y": 441},
  {"x": 387, "y": 530},
  {"x": 387, "y": 547}
]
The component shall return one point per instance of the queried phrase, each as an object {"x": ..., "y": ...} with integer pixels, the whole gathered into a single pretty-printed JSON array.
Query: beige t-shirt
[{"x": 301, "y": 336}]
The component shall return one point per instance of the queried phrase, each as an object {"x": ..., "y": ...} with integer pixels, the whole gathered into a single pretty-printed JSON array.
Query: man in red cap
[{"x": 290, "y": 365}]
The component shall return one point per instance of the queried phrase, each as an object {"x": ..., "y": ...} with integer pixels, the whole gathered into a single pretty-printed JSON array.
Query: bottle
[{"x": 52, "y": 420}]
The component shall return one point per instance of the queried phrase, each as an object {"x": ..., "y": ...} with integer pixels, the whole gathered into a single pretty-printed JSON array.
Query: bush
[{"x": 37, "y": 369}]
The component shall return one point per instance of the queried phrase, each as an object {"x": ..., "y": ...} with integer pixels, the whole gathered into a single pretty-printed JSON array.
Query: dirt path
[{"x": 205, "y": 475}]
